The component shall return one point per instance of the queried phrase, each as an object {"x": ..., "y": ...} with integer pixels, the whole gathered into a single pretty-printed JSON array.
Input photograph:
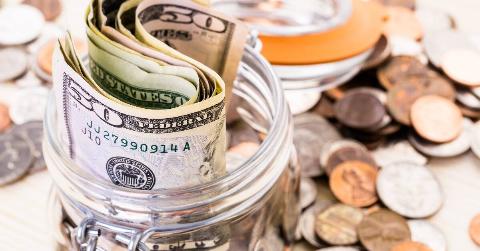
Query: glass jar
[{"x": 236, "y": 212}]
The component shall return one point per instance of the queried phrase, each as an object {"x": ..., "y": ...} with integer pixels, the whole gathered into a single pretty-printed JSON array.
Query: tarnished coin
[
  {"x": 307, "y": 222},
  {"x": 435, "y": 126},
  {"x": 13, "y": 63},
  {"x": 360, "y": 110},
  {"x": 474, "y": 229},
  {"x": 51, "y": 9},
  {"x": 32, "y": 133},
  {"x": 308, "y": 192},
  {"x": 382, "y": 230},
  {"x": 450, "y": 149},
  {"x": 440, "y": 42},
  {"x": 337, "y": 224},
  {"x": 300, "y": 102},
  {"x": 398, "y": 152},
  {"x": 381, "y": 52},
  {"x": 340, "y": 151},
  {"x": 428, "y": 234},
  {"x": 311, "y": 133},
  {"x": 29, "y": 105},
  {"x": 434, "y": 19},
  {"x": 462, "y": 66},
  {"x": 20, "y": 24},
  {"x": 402, "y": 22},
  {"x": 353, "y": 183},
  {"x": 467, "y": 98},
  {"x": 5, "y": 121},
  {"x": 394, "y": 71},
  {"x": 411, "y": 246},
  {"x": 410, "y": 190},
  {"x": 15, "y": 158}
]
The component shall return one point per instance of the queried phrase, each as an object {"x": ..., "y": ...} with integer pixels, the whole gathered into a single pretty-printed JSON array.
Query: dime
[
  {"x": 381, "y": 52},
  {"x": 300, "y": 102},
  {"x": 428, "y": 234},
  {"x": 19, "y": 24},
  {"x": 360, "y": 110},
  {"x": 353, "y": 183},
  {"x": 435, "y": 126},
  {"x": 397, "y": 152},
  {"x": 15, "y": 158},
  {"x": 474, "y": 229},
  {"x": 32, "y": 134},
  {"x": 5, "y": 120},
  {"x": 450, "y": 149},
  {"x": 434, "y": 19},
  {"x": 311, "y": 132},
  {"x": 337, "y": 224},
  {"x": 462, "y": 66},
  {"x": 344, "y": 150},
  {"x": 308, "y": 192},
  {"x": 394, "y": 71},
  {"x": 307, "y": 222},
  {"x": 409, "y": 189},
  {"x": 438, "y": 43},
  {"x": 382, "y": 230},
  {"x": 402, "y": 22},
  {"x": 51, "y": 9},
  {"x": 29, "y": 105},
  {"x": 13, "y": 63},
  {"x": 410, "y": 246}
]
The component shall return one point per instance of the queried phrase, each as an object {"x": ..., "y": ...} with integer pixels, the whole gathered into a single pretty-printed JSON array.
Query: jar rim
[{"x": 233, "y": 182}]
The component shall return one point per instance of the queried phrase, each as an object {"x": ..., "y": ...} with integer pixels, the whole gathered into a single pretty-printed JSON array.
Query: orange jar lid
[{"x": 357, "y": 35}]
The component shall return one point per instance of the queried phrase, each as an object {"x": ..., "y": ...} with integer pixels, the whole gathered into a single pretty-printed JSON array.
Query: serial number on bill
[{"x": 99, "y": 136}]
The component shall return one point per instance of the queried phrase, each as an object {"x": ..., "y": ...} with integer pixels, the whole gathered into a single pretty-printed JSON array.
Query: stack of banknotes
[{"x": 146, "y": 109}]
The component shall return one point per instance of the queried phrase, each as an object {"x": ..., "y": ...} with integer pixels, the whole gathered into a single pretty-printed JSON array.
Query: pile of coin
[{"x": 27, "y": 37}]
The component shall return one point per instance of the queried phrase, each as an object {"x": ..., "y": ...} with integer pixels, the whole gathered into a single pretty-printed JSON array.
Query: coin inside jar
[
  {"x": 360, "y": 110},
  {"x": 462, "y": 65},
  {"x": 337, "y": 224},
  {"x": 402, "y": 22},
  {"x": 436, "y": 119},
  {"x": 353, "y": 183},
  {"x": 382, "y": 230},
  {"x": 5, "y": 121},
  {"x": 411, "y": 246}
]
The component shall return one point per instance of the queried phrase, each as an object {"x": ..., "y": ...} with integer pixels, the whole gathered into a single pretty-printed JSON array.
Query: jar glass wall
[{"x": 239, "y": 211}]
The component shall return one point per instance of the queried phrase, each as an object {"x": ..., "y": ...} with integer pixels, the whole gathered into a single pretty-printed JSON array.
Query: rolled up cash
[{"x": 148, "y": 110}]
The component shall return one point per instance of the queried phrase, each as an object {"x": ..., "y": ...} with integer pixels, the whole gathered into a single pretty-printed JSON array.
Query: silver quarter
[
  {"x": 32, "y": 134},
  {"x": 20, "y": 24},
  {"x": 29, "y": 105},
  {"x": 308, "y": 192},
  {"x": 311, "y": 133},
  {"x": 424, "y": 232},
  {"x": 398, "y": 152},
  {"x": 307, "y": 222},
  {"x": 439, "y": 42},
  {"x": 450, "y": 149},
  {"x": 13, "y": 63},
  {"x": 410, "y": 190},
  {"x": 15, "y": 158}
]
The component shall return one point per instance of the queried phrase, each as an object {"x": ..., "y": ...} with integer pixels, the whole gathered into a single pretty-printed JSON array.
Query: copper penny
[
  {"x": 462, "y": 65},
  {"x": 353, "y": 183},
  {"x": 348, "y": 153},
  {"x": 402, "y": 22},
  {"x": 474, "y": 229},
  {"x": 337, "y": 224},
  {"x": 45, "y": 54},
  {"x": 5, "y": 121},
  {"x": 394, "y": 71},
  {"x": 51, "y": 9},
  {"x": 360, "y": 110},
  {"x": 411, "y": 246},
  {"x": 382, "y": 230},
  {"x": 436, "y": 119}
]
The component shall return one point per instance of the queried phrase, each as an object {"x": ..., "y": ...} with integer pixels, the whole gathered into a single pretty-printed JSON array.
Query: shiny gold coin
[
  {"x": 353, "y": 183},
  {"x": 436, "y": 119},
  {"x": 402, "y": 22},
  {"x": 411, "y": 246},
  {"x": 337, "y": 224}
]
